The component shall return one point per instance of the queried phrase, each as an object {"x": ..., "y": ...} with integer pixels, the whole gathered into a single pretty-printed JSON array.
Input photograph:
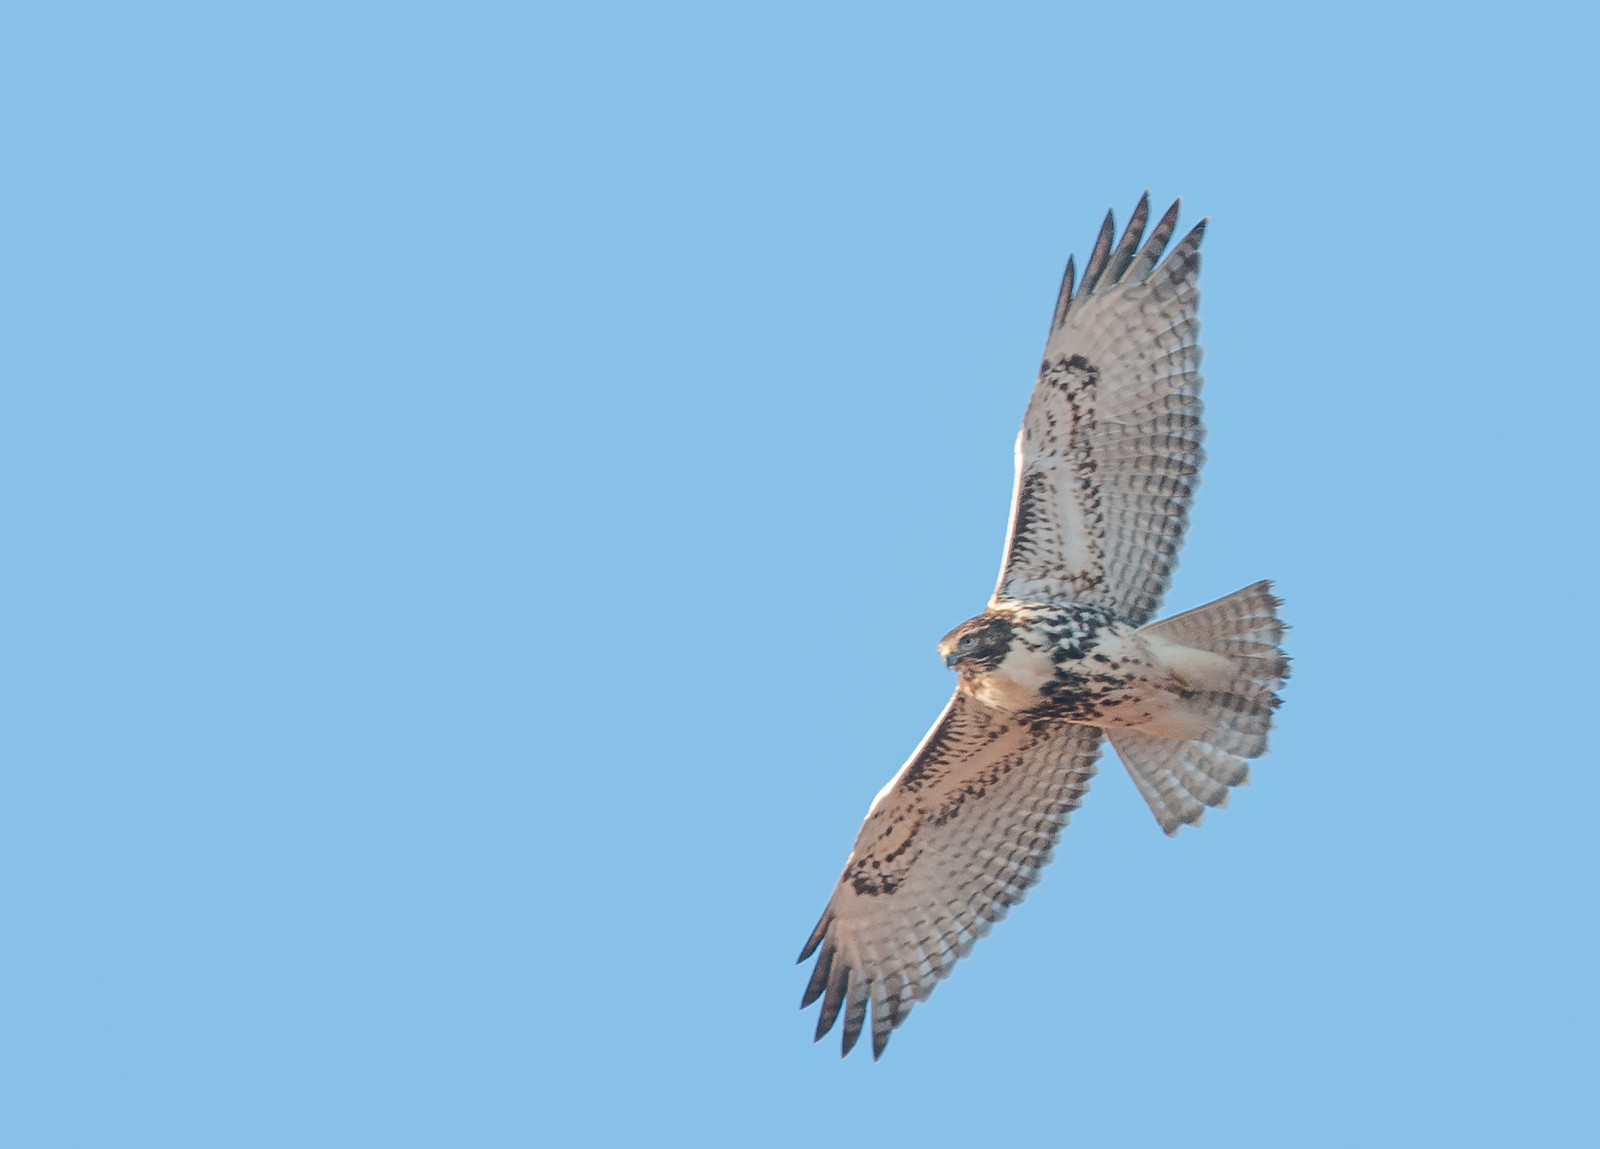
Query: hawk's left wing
[
  {"x": 953, "y": 841},
  {"x": 1109, "y": 452}
]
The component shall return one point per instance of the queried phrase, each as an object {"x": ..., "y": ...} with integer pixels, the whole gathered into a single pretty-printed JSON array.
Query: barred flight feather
[
  {"x": 989, "y": 799},
  {"x": 1121, "y": 378}
]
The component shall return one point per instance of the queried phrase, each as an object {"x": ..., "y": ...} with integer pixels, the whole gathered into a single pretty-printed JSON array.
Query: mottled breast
[{"x": 1046, "y": 643}]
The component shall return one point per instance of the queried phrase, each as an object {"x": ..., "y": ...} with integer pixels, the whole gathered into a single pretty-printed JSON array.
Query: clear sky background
[{"x": 483, "y": 482}]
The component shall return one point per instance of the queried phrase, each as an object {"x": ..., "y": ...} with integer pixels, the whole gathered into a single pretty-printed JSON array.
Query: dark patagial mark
[
  {"x": 1031, "y": 502},
  {"x": 1077, "y": 380}
]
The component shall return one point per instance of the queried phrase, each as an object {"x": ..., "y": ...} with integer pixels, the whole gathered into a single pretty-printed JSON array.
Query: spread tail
[{"x": 1181, "y": 778}]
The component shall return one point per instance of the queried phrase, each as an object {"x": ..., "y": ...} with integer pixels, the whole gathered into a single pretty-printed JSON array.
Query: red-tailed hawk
[{"x": 1065, "y": 651}]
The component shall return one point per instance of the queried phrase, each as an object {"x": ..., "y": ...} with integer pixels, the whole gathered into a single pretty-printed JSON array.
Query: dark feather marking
[
  {"x": 897, "y": 988},
  {"x": 1077, "y": 380},
  {"x": 1097, "y": 258},
  {"x": 817, "y": 935},
  {"x": 880, "y": 1038},
  {"x": 854, "y": 1014},
  {"x": 819, "y": 977},
  {"x": 1031, "y": 507},
  {"x": 1155, "y": 245},
  {"x": 1123, "y": 256},
  {"x": 838, "y": 982},
  {"x": 1064, "y": 298},
  {"x": 1183, "y": 265}
]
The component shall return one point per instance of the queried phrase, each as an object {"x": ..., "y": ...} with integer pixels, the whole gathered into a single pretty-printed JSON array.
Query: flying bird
[{"x": 1065, "y": 652}]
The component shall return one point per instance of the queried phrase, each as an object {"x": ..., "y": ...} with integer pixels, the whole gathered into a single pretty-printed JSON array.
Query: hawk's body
[
  {"x": 1065, "y": 652},
  {"x": 1077, "y": 663}
]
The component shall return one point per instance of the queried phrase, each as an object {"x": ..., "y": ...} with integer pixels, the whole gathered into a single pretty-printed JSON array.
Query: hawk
[{"x": 1065, "y": 653}]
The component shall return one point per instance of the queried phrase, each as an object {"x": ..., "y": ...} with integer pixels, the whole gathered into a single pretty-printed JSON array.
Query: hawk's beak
[{"x": 950, "y": 659}]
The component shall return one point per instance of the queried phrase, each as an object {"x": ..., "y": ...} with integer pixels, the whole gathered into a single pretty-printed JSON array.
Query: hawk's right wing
[{"x": 954, "y": 840}]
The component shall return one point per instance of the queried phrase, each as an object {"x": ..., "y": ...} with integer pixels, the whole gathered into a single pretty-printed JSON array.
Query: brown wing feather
[
  {"x": 1109, "y": 452},
  {"x": 952, "y": 842}
]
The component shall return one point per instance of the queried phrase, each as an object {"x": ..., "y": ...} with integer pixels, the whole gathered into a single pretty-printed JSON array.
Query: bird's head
[{"x": 978, "y": 644}]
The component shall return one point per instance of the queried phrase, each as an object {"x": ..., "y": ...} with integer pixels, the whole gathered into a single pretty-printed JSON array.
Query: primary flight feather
[{"x": 1065, "y": 653}]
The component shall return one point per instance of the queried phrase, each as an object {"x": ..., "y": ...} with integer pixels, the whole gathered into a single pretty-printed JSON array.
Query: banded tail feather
[{"x": 1180, "y": 780}]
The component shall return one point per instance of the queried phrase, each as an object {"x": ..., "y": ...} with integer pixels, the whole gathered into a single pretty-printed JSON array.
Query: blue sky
[{"x": 484, "y": 484}]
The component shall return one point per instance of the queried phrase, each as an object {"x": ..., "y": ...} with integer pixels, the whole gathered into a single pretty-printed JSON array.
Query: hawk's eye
[{"x": 968, "y": 641}]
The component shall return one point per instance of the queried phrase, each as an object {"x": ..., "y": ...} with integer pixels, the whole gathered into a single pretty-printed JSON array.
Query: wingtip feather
[
  {"x": 838, "y": 983},
  {"x": 1063, "y": 297},
  {"x": 819, "y": 977},
  {"x": 1153, "y": 248},
  {"x": 1128, "y": 247},
  {"x": 1183, "y": 262},
  {"x": 816, "y": 937},
  {"x": 1100, "y": 256},
  {"x": 852, "y": 1034}
]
